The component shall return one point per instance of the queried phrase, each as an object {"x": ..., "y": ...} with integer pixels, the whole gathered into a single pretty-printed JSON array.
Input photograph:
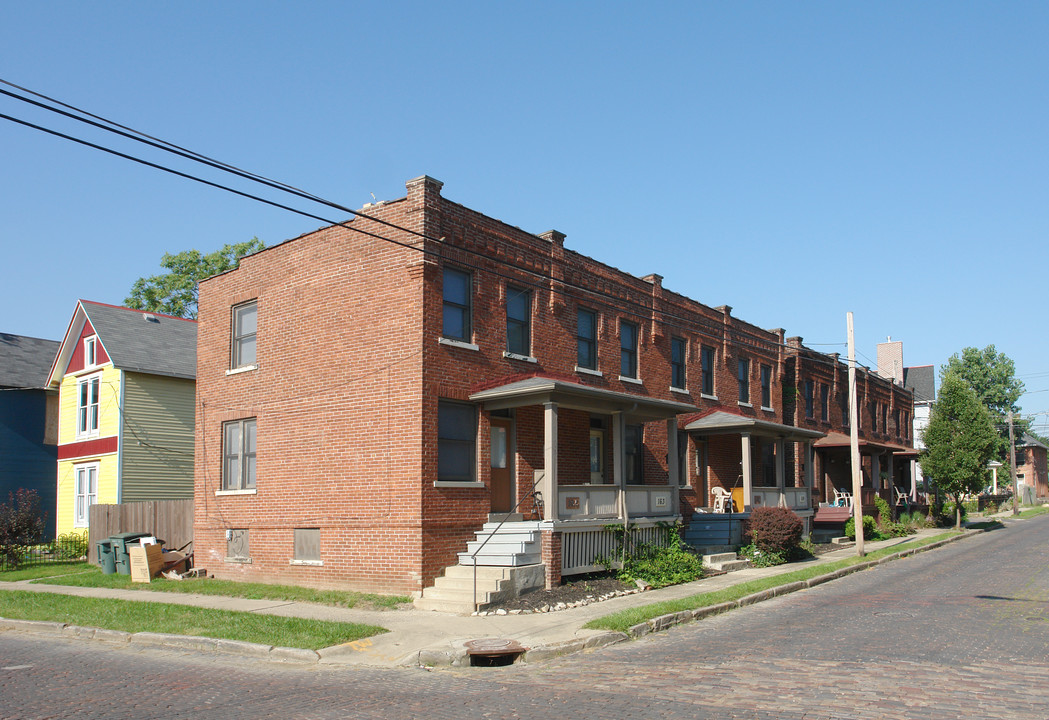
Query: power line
[{"x": 612, "y": 302}]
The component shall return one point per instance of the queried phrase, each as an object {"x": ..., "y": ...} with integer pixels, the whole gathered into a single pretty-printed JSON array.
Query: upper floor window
[
  {"x": 766, "y": 386},
  {"x": 456, "y": 323},
  {"x": 88, "y": 390},
  {"x": 884, "y": 418},
  {"x": 456, "y": 441},
  {"x": 824, "y": 402},
  {"x": 810, "y": 400},
  {"x": 518, "y": 321},
  {"x": 586, "y": 339},
  {"x": 896, "y": 422},
  {"x": 708, "y": 370},
  {"x": 238, "y": 454},
  {"x": 677, "y": 362},
  {"x": 245, "y": 324},
  {"x": 91, "y": 351},
  {"x": 627, "y": 349},
  {"x": 743, "y": 375}
]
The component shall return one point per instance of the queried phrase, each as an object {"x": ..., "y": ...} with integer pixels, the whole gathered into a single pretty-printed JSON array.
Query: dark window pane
[{"x": 456, "y": 312}]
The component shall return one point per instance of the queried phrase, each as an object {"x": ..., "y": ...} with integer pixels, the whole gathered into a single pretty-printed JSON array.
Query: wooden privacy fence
[{"x": 168, "y": 520}]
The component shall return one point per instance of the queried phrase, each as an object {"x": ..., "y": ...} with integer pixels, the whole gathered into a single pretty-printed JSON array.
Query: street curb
[
  {"x": 663, "y": 622},
  {"x": 163, "y": 640}
]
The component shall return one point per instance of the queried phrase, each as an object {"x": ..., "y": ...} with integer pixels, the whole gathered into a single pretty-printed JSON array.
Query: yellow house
[{"x": 126, "y": 388}]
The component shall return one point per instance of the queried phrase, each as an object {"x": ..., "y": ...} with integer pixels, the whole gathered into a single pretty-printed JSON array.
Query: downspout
[{"x": 120, "y": 438}]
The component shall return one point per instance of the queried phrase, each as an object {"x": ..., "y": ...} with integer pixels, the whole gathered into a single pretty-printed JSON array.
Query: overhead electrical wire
[{"x": 612, "y": 302}]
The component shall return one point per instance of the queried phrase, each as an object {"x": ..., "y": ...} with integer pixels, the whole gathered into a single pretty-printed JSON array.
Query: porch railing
[
  {"x": 795, "y": 498},
  {"x": 583, "y": 544},
  {"x": 602, "y": 501}
]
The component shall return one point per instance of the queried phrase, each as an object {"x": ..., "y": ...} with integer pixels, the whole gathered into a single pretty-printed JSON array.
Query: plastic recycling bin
[
  {"x": 121, "y": 542},
  {"x": 106, "y": 559}
]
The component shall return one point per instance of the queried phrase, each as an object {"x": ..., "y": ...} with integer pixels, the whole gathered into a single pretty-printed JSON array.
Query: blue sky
[{"x": 792, "y": 160}]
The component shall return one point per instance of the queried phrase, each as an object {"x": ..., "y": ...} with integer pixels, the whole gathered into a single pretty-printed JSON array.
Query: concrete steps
[
  {"x": 507, "y": 566},
  {"x": 724, "y": 561}
]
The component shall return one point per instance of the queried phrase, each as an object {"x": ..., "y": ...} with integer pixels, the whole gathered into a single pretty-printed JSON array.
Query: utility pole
[
  {"x": 1012, "y": 463},
  {"x": 854, "y": 444}
]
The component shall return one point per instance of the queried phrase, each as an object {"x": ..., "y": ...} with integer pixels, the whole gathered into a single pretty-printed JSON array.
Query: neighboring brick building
[
  {"x": 1031, "y": 465},
  {"x": 365, "y": 406}
]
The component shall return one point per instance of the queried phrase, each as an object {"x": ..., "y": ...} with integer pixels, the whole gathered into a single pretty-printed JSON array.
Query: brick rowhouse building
[{"x": 366, "y": 405}]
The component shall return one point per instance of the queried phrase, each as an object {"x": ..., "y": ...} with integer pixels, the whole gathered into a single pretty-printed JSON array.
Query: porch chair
[
  {"x": 842, "y": 498},
  {"x": 722, "y": 500},
  {"x": 902, "y": 498}
]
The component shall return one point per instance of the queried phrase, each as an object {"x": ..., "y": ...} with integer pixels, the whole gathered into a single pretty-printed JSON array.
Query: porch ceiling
[
  {"x": 537, "y": 390},
  {"x": 841, "y": 440},
  {"x": 726, "y": 423}
]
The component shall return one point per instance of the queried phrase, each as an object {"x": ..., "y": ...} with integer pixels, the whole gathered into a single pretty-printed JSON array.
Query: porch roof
[
  {"x": 721, "y": 422},
  {"x": 837, "y": 439},
  {"x": 539, "y": 390}
]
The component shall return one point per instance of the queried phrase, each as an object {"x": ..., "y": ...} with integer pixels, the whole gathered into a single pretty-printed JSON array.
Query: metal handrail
[{"x": 537, "y": 505}]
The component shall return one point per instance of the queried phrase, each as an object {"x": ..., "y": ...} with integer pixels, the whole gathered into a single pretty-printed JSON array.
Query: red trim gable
[
  {"x": 87, "y": 448},
  {"x": 76, "y": 360}
]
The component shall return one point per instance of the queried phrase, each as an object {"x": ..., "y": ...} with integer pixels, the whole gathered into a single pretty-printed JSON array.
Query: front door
[
  {"x": 597, "y": 456},
  {"x": 502, "y": 475}
]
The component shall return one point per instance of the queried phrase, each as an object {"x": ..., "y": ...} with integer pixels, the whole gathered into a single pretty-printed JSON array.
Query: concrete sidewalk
[{"x": 419, "y": 637}]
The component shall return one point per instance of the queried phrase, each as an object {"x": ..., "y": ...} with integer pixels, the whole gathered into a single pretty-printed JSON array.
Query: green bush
[
  {"x": 884, "y": 511},
  {"x": 991, "y": 508},
  {"x": 775, "y": 531},
  {"x": 870, "y": 529},
  {"x": 669, "y": 563},
  {"x": 761, "y": 558},
  {"x": 20, "y": 526},
  {"x": 69, "y": 546}
]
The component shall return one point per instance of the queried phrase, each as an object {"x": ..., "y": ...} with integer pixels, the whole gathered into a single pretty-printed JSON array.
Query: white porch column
[
  {"x": 550, "y": 504},
  {"x": 876, "y": 470},
  {"x": 619, "y": 460},
  {"x": 673, "y": 464},
  {"x": 810, "y": 464},
  {"x": 892, "y": 476},
  {"x": 748, "y": 484},
  {"x": 914, "y": 481}
]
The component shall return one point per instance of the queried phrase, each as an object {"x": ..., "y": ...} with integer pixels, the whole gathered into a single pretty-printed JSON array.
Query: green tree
[
  {"x": 992, "y": 376},
  {"x": 959, "y": 441},
  {"x": 175, "y": 292}
]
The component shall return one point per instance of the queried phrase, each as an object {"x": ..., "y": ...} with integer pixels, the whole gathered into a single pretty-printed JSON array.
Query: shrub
[
  {"x": 670, "y": 563},
  {"x": 870, "y": 529},
  {"x": 991, "y": 508},
  {"x": 774, "y": 530},
  {"x": 761, "y": 558},
  {"x": 20, "y": 525},
  {"x": 884, "y": 511},
  {"x": 69, "y": 546}
]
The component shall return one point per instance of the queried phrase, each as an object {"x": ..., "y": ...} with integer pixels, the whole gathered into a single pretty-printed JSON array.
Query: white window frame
[
  {"x": 84, "y": 427},
  {"x": 83, "y": 497},
  {"x": 90, "y": 352},
  {"x": 237, "y": 338},
  {"x": 242, "y": 483}
]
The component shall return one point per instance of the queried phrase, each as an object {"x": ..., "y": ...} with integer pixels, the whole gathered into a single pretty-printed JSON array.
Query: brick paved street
[{"x": 962, "y": 631}]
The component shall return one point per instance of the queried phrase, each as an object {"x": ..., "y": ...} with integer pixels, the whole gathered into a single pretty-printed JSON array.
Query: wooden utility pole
[
  {"x": 1012, "y": 463},
  {"x": 854, "y": 445}
]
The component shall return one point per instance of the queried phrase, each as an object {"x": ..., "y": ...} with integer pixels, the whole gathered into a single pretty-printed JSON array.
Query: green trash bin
[
  {"x": 106, "y": 559},
  {"x": 121, "y": 543}
]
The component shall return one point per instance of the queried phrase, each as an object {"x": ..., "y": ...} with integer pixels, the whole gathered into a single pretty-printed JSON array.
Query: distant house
[
  {"x": 28, "y": 421},
  {"x": 1031, "y": 464},
  {"x": 920, "y": 380},
  {"x": 125, "y": 380}
]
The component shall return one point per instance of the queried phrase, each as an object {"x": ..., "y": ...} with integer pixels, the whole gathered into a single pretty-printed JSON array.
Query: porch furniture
[
  {"x": 902, "y": 499},
  {"x": 722, "y": 500},
  {"x": 842, "y": 498}
]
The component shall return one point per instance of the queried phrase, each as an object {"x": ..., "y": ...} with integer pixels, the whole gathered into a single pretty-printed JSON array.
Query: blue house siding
[{"x": 25, "y": 461}]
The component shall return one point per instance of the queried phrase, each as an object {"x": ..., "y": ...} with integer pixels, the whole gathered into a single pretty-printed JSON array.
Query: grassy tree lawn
[
  {"x": 625, "y": 619},
  {"x": 42, "y": 571},
  {"x": 91, "y": 576},
  {"x": 133, "y": 617}
]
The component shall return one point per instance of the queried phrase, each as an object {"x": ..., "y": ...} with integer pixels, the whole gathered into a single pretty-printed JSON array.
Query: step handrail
[{"x": 537, "y": 504}]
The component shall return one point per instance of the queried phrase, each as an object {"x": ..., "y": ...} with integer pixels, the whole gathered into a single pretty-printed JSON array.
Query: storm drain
[{"x": 493, "y": 652}]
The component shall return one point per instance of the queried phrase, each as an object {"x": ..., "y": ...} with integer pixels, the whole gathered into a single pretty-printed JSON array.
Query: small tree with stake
[
  {"x": 959, "y": 441},
  {"x": 20, "y": 525}
]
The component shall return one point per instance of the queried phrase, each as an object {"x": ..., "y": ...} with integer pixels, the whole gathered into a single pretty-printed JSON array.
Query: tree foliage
[
  {"x": 20, "y": 525},
  {"x": 992, "y": 376},
  {"x": 959, "y": 440},
  {"x": 175, "y": 292}
]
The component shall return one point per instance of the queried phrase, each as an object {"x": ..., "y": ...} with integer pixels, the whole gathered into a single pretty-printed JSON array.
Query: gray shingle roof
[
  {"x": 163, "y": 345},
  {"x": 921, "y": 381},
  {"x": 25, "y": 361},
  {"x": 1030, "y": 441}
]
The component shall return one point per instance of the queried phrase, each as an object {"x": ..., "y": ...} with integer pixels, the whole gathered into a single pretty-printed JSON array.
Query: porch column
[
  {"x": 781, "y": 471},
  {"x": 747, "y": 479},
  {"x": 619, "y": 461},
  {"x": 673, "y": 466},
  {"x": 876, "y": 470},
  {"x": 810, "y": 465},
  {"x": 892, "y": 477},
  {"x": 550, "y": 506},
  {"x": 914, "y": 481}
]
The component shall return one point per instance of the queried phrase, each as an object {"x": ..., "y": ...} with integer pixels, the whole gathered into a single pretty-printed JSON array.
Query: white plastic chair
[
  {"x": 722, "y": 500},
  {"x": 842, "y": 498},
  {"x": 902, "y": 498}
]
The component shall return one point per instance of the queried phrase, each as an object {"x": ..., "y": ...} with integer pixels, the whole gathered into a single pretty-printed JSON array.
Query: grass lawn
[
  {"x": 623, "y": 620},
  {"x": 91, "y": 576},
  {"x": 1034, "y": 512},
  {"x": 48, "y": 570},
  {"x": 180, "y": 620}
]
